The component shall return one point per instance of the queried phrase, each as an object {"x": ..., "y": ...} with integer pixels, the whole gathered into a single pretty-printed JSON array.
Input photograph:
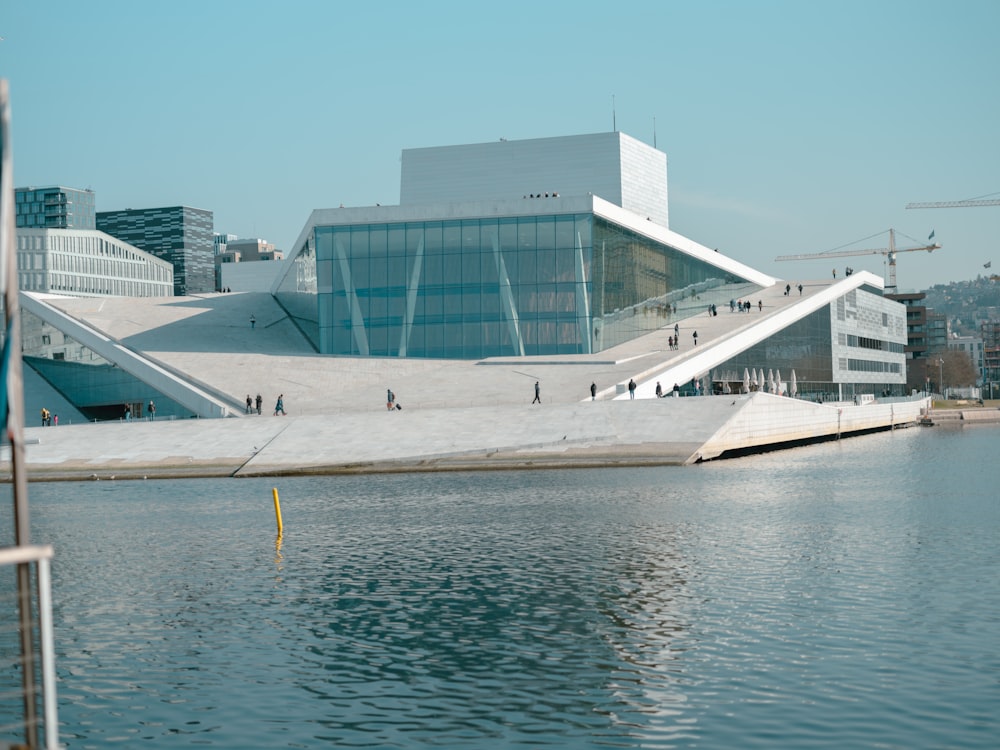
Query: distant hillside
[{"x": 966, "y": 303}]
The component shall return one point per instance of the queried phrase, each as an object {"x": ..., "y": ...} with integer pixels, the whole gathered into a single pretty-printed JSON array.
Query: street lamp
[{"x": 941, "y": 376}]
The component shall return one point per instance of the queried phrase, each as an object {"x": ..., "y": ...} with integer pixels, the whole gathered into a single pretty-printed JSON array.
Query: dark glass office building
[{"x": 181, "y": 235}]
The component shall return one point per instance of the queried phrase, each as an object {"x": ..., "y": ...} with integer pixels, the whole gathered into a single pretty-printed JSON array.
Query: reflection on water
[{"x": 836, "y": 596}]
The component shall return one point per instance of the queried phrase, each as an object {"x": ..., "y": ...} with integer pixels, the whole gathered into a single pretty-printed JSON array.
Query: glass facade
[
  {"x": 98, "y": 388},
  {"x": 54, "y": 208},
  {"x": 482, "y": 287}
]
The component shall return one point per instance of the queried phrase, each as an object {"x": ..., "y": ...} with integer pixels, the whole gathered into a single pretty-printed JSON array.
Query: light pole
[{"x": 941, "y": 376}]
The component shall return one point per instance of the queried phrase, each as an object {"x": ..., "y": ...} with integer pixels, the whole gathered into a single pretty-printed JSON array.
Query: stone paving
[{"x": 454, "y": 412}]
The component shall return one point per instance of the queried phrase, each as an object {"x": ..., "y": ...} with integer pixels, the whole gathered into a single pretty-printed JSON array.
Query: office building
[
  {"x": 181, "y": 235},
  {"x": 88, "y": 263}
]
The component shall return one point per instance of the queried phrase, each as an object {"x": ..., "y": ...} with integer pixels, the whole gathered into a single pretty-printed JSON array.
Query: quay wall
[
  {"x": 669, "y": 431},
  {"x": 771, "y": 420}
]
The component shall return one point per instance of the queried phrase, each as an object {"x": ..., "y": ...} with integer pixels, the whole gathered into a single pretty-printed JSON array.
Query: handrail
[
  {"x": 25, "y": 554},
  {"x": 41, "y": 555}
]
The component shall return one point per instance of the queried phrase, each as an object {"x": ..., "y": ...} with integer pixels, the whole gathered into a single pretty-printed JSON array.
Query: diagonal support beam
[
  {"x": 507, "y": 300},
  {"x": 357, "y": 319},
  {"x": 411, "y": 298}
]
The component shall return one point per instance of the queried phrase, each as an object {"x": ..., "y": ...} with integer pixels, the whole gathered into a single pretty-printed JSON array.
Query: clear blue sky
[{"x": 789, "y": 127}]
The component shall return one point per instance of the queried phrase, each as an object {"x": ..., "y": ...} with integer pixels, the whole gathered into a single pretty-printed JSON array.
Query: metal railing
[{"x": 34, "y": 655}]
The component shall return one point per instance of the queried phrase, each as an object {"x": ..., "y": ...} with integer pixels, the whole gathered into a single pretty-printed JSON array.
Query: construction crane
[
  {"x": 890, "y": 252},
  {"x": 974, "y": 203}
]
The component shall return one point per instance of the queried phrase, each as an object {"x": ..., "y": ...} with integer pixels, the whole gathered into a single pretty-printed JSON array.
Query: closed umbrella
[
  {"x": 777, "y": 381},
  {"x": 770, "y": 381},
  {"x": 753, "y": 378},
  {"x": 795, "y": 386},
  {"x": 746, "y": 380}
]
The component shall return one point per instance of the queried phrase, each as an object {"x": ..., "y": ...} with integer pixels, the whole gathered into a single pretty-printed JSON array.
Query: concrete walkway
[
  {"x": 456, "y": 414},
  {"x": 209, "y": 340},
  {"x": 669, "y": 431}
]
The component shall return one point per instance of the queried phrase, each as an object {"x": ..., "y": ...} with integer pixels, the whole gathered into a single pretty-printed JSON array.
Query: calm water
[{"x": 838, "y": 596}]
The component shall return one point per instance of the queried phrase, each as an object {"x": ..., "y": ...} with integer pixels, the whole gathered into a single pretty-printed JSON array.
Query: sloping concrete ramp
[
  {"x": 666, "y": 431},
  {"x": 669, "y": 431}
]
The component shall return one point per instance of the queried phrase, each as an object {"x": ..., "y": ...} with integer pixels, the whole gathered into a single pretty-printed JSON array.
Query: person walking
[
  {"x": 800, "y": 290},
  {"x": 253, "y": 321},
  {"x": 695, "y": 335},
  {"x": 390, "y": 399},
  {"x": 593, "y": 391},
  {"x": 280, "y": 405},
  {"x": 760, "y": 305},
  {"x": 128, "y": 412},
  {"x": 677, "y": 330},
  {"x": 259, "y": 402},
  {"x": 659, "y": 390},
  {"x": 151, "y": 411},
  {"x": 538, "y": 394},
  {"x": 249, "y": 404},
  {"x": 631, "y": 389}
]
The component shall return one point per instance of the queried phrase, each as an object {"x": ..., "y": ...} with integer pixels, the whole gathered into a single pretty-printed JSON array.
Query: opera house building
[{"x": 547, "y": 250}]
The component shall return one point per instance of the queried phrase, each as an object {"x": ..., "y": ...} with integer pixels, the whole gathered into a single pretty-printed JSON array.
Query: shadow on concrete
[{"x": 218, "y": 323}]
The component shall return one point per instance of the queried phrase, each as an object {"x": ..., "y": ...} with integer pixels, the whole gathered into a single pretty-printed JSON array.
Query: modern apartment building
[{"x": 54, "y": 207}]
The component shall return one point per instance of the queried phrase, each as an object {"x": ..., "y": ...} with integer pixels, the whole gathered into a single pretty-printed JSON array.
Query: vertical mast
[
  {"x": 11, "y": 411},
  {"x": 892, "y": 260}
]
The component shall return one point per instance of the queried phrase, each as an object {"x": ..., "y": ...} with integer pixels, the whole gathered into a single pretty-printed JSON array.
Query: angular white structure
[{"x": 614, "y": 166}]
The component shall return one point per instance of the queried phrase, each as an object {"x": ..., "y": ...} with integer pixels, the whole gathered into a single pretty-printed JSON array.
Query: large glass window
[{"x": 476, "y": 288}]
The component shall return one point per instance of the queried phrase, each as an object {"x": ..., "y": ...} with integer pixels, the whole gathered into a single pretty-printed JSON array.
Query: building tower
[{"x": 181, "y": 235}]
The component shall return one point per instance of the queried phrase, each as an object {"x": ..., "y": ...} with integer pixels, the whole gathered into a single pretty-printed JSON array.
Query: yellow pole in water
[{"x": 277, "y": 509}]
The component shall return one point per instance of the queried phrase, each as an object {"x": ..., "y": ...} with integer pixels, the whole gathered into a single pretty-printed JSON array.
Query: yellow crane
[{"x": 890, "y": 252}]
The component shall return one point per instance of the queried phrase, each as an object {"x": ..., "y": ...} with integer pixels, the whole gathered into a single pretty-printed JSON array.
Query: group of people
[
  {"x": 47, "y": 418},
  {"x": 150, "y": 411},
  {"x": 660, "y": 393},
  {"x": 254, "y": 404},
  {"x": 744, "y": 305}
]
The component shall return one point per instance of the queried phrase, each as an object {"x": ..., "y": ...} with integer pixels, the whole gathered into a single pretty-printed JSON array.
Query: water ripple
[{"x": 824, "y": 597}]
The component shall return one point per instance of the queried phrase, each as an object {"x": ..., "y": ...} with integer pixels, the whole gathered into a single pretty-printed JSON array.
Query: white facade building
[
  {"x": 88, "y": 263},
  {"x": 613, "y": 165}
]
